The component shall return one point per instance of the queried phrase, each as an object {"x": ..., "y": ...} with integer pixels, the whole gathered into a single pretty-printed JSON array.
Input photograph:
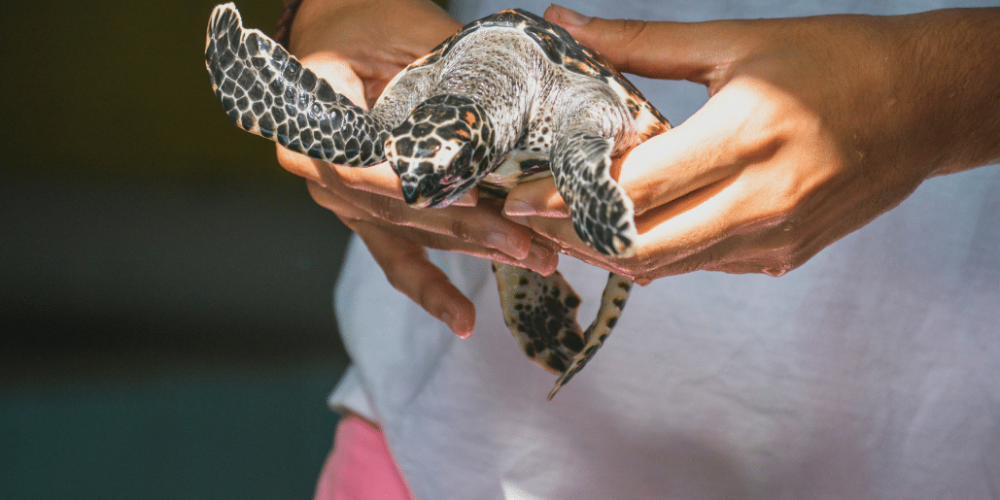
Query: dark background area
[{"x": 165, "y": 286}]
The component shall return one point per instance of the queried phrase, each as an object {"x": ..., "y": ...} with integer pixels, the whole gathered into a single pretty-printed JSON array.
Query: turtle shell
[{"x": 559, "y": 47}]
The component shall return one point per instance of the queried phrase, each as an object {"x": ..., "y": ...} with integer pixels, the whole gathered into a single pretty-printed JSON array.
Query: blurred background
[{"x": 165, "y": 287}]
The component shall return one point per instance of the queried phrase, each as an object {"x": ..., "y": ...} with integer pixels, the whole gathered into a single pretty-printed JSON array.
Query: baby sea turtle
[{"x": 507, "y": 99}]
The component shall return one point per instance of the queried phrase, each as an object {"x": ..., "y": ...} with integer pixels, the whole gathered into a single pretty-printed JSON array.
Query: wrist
[
  {"x": 285, "y": 18},
  {"x": 308, "y": 16},
  {"x": 954, "y": 70},
  {"x": 418, "y": 25}
]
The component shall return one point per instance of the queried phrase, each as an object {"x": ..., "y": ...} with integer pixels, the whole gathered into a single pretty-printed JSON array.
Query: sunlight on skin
[{"x": 796, "y": 147}]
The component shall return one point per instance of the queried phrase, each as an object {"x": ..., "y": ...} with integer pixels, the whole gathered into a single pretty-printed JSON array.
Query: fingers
[
  {"x": 378, "y": 179},
  {"x": 711, "y": 147},
  {"x": 382, "y": 181},
  {"x": 303, "y": 166},
  {"x": 705, "y": 230},
  {"x": 542, "y": 259},
  {"x": 741, "y": 126},
  {"x": 702, "y": 151},
  {"x": 408, "y": 269},
  {"x": 536, "y": 198},
  {"x": 476, "y": 231},
  {"x": 678, "y": 51}
]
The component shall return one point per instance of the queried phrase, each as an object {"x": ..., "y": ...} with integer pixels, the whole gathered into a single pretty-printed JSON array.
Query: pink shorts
[{"x": 359, "y": 466}]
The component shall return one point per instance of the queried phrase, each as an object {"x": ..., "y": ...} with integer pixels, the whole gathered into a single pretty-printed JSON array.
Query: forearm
[{"x": 955, "y": 53}]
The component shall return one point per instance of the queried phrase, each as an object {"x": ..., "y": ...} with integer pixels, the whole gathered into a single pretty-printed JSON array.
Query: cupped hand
[
  {"x": 814, "y": 127},
  {"x": 358, "y": 48}
]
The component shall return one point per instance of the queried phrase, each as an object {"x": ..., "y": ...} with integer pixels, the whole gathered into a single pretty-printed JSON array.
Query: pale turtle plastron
[{"x": 507, "y": 99}]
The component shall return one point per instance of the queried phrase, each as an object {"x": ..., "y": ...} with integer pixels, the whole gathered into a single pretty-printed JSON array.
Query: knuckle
[
  {"x": 348, "y": 180},
  {"x": 391, "y": 270},
  {"x": 401, "y": 285},
  {"x": 461, "y": 230},
  {"x": 429, "y": 292},
  {"x": 631, "y": 31},
  {"x": 386, "y": 209},
  {"x": 284, "y": 156},
  {"x": 398, "y": 273},
  {"x": 321, "y": 197},
  {"x": 787, "y": 250},
  {"x": 630, "y": 38},
  {"x": 315, "y": 191},
  {"x": 763, "y": 135}
]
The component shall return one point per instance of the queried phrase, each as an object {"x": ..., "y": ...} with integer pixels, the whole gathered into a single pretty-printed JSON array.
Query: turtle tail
[{"x": 267, "y": 92}]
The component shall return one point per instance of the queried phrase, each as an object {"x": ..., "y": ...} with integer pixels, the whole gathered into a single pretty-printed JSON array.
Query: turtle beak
[
  {"x": 430, "y": 190},
  {"x": 440, "y": 151},
  {"x": 411, "y": 194},
  {"x": 433, "y": 178}
]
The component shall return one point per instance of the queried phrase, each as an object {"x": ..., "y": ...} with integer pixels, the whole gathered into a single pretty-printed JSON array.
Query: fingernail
[
  {"x": 518, "y": 208},
  {"x": 518, "y": 219},
  {"x": 465, "y": 201},
  {"x": 539, "y": 252},
  {"x": 449, "y": 319},
  {"x": 540, "y": 259},
  {"x": 570, "y": 16},
  {"x": 505, "y": 244}
]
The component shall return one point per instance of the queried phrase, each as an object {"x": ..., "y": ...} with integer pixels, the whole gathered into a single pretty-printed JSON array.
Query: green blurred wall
[
  {"x": 119, "y": 87},
  {"x": 165, "y": 286}
]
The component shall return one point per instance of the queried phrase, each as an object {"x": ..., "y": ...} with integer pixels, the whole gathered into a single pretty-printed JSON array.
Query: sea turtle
[{"x": 507, "y": 99}]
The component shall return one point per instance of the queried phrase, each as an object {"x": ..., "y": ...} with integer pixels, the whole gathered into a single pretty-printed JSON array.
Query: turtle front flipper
[
  {"x": 267, "y": 92},
  {"x": 603, "y": 215}
]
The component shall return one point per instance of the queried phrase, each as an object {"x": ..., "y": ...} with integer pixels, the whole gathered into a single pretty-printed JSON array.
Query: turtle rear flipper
[
  {"x": 267, "y": 92},
  {"x": 540, "y": 312},
  {"x": 613, "y": 299}
]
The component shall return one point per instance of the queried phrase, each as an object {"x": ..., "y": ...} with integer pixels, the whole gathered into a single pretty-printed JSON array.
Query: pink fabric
[{"x": 360, "y": 467}]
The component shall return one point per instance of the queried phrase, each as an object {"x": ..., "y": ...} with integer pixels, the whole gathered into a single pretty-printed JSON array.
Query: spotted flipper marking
[
  {"x": 541, "y": 314},
  {"x": 603, "y": 215},
  {"x": 613, "y": 299},
  {"x": 589, "y": 115},
  {"x": 267, "y": 92}
]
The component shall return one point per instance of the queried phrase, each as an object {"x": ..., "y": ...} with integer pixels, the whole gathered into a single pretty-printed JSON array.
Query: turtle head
[{"x": 442, "y": 150}]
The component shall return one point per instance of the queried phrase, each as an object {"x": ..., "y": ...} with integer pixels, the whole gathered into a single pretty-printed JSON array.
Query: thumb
[{"x": 655, "y": 49}]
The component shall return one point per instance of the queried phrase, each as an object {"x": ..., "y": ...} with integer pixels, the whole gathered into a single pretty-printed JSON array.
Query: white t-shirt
[{"x": 873, "y": 371}]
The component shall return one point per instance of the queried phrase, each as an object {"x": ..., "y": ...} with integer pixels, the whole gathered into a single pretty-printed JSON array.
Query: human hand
[
  {"x": 358, "y": 48},
  {"x": 814, "y": 127}
]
